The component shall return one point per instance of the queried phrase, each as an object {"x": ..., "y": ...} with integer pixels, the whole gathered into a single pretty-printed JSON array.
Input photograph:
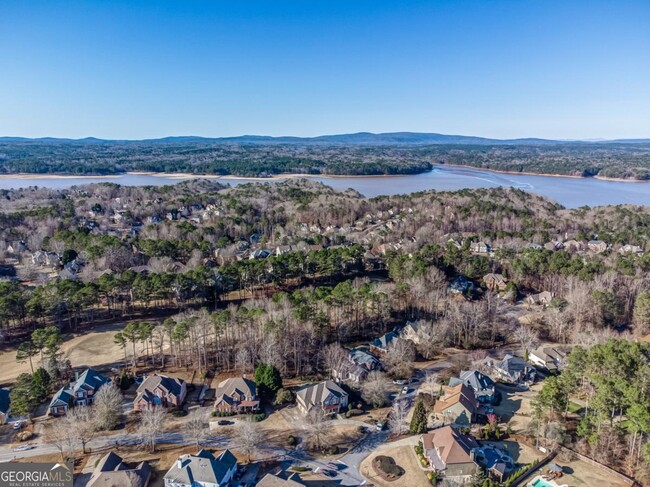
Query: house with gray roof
[
  {"x": 326, "y": 395},
  {"x": 80, "y": 392},
  {"x": 382, "y": 344},
  {"x": 111, "y": 471},
  {"x": 236, "y": 395},
  {"x": 202, "y": 470},
  {"x": 5, "y": 405},
  {"x": 160, "y": 390},
  {"x": 514, "y": 370},
  {"x": 270, "y": 480},
  {"x": 480, "y": 383}
]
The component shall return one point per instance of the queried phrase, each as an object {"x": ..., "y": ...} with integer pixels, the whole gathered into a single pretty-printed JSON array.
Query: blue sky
[{"x": 139, "y": 69}]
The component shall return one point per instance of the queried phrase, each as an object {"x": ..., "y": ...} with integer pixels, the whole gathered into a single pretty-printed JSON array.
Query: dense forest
[{"x": 616, "y": 160}]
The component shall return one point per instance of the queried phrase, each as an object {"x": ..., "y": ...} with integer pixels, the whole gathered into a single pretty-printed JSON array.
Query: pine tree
[{"x": 419, "y": 420}]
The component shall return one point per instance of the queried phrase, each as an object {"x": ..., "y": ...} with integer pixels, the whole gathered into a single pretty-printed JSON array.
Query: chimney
[
  {"x": 179, "y": 462},
  {"x": 76, "y": 375}
]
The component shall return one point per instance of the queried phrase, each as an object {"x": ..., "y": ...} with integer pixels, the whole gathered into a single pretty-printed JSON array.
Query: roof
[
  {"x": 239, "y": 385},
  {"x": 270, "y": 480},
  {"x": 203, "y": 467},
  {"x": 315, "y": 394},
  {"x": 5, "y": 401},
  {"x": 384, "y": 341},
  {"x": 112, "y": 472},
  {"x": 363, "y": 356},
  {"x": 170, "y": 384},
  {"x": 475, "y": 380},
  {"x": 454, "y": 395},
  {"x": 89, "y": 380},
  {"x": 449, "y": 446},
  {"x": 513, "y": 365}
]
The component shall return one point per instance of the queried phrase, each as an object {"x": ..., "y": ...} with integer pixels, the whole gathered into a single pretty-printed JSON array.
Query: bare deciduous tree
[
  {"x": 195, "y": 429},
  {"x": 80, "y": 420},
  {"x": 527, "y": 338},
  {"x": 150, "y": 428},
  {"x": 375, "y": 388},
  {"x": 317, "y": 426},
  {"x": 248, "y": 438},
  {"x": 61, "y": 436},
  {"x": 397, "y": 419},
  {"x": 400, "y": 357},
  {"x": 107, "y": 405},
  {"x": 335, "y": 359}
]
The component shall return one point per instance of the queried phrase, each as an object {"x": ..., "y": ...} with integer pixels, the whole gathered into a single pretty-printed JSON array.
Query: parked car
[
  {"x": 19, "y": 425},
  {"x": 405, "y": 390},
  {"x": 224, "y": 422},
  {"x": 381, "y": 426},
  {"x": 399, "y": 382}
]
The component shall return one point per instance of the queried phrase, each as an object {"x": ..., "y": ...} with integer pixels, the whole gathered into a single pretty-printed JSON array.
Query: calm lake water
[{"x": 570, "y": 192}]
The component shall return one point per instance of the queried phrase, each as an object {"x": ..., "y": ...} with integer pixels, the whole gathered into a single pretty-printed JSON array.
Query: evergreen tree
[
  {"x": 268, "y": 380},
  {"x": 419, "y": 420},
  {"x": 21, "y": 395}
]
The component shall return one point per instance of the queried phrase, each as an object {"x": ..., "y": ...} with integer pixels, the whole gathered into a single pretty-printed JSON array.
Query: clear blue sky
[{"x": 138, "y": 69}]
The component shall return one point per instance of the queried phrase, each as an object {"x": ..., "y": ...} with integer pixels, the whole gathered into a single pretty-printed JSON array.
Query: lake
[{"x": 569, "y": 192}]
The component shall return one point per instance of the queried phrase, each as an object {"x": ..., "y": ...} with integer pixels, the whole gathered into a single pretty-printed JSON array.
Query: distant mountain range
[{"x": 360, "y": 139}]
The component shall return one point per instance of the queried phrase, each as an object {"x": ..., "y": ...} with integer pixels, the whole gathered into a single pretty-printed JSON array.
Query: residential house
[
  {"x": 461, "y": 285},
  {"x": 383, "y": 343},
  {"x": 202, "y": 470},
  {"x": 111, "y": 471},
  {"x": 552, "y": 359},
  {"x": 495, "y": 282},
  {"x": 554, "y": 245},
  {"x": 270, "y": 480},
  {"x": 260, "y": 254},
  {"x": 414, "y": 332},
  {"x": 480, "y": 248},
  {"x": 542, "y": 299},
  {"x": 575, "y": 245},
  {"x": 326, "y": 395},
  {"x": 457, "y": 405},
  {"x": 236, "y": 395},
  {"x": 514, "y": 370},
  {"x": 450, "y": 453},
  {"x": 160, "y": 390},
  {"x": 283, "y": 249},
  {"x": 482, "y": 386},
  {"x": 5, "y": 405},
  {"x": 80, "y": 392},
  {"x": 597, "y": 246},
  {"x": 361, "y": 361},
  {"x": 630, "y": 249}
]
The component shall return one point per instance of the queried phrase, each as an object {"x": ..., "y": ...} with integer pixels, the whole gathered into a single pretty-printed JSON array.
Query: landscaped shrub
[
  {"x": 179, "y": 412},
  {"x": 259, "y": 417},
  {"x": 332, "y": 450},
  {"x": 297, "y": 468},
  {"x": 386, "y": 465},
  {"x": 292, "y": 441}
]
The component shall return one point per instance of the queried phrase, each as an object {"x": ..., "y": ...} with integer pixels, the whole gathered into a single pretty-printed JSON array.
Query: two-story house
[
  {"x": 160, "y": 390},
  {"x": 80, "y": 392},
  {"x": 202, "y": 470},
  {"x": 481, "y": 384},
  {"x": 326, "y": 395},
  {"x": 236, "y": 395},
  {"x": 450, "y": 454},
  {"x": 457, "y": 405}
]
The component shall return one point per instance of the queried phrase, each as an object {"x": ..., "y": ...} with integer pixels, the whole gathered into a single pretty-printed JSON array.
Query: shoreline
[
  {"x": 528, "y": 173},
  {"x": 275, "y": 177}
]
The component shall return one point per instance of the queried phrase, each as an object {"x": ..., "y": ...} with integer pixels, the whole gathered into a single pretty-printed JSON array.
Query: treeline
[
  {"x": 628, "y": 161},
  {"x": 612, "y": 380}
]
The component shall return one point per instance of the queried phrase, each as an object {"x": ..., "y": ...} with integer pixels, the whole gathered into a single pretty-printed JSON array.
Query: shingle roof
[
  {"x": 449, "y": 445},
  {"x": 169, "y": 384},
  {"x": 454, "y": 395},
  {"x": 270, "y": 480},
  {"x": 384, "y": 341},
  {"x": 480, "y": 383},
  {"x": 245, "y": 387},
  {"x": 203, "y": 467},
  {"x": 90, "y": 379},
  {"x": 112, "y": 472},
  {"x": 315, "y": 394}
]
